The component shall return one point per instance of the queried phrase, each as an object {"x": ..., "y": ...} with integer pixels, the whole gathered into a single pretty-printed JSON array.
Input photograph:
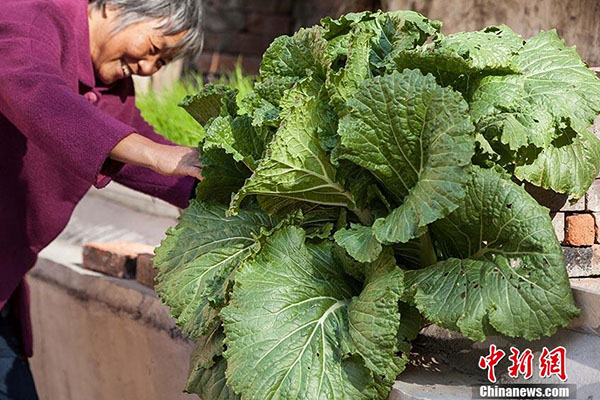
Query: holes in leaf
[
  {"x": 494, "y": 29},
  {"x": 339, "y": 63},
  {"x": 566, "y": 138}
]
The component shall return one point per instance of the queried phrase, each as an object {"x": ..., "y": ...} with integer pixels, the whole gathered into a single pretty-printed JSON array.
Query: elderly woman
[{"x": 68, "y": 122}]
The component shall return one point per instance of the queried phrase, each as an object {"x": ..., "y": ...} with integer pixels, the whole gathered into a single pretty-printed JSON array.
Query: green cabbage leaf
[{"x": 373, "y": 181}]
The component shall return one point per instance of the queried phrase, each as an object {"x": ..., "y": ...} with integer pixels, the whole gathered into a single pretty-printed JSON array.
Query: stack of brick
[
  {"x": 577, "y": 226},
  {"x": 126, "y": 260}
]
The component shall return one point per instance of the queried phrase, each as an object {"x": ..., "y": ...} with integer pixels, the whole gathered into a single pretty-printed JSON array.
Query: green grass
[{"x": 162, "y": 112}]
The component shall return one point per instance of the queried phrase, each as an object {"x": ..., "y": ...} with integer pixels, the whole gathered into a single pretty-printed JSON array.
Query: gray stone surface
[
  {"x": 436, "y": 382},
  {"x": 593, "y": 196},
  {"x": 558, "y": 222},
  {"x": 579, "y": 205},
  {"x": 586, "y": 292},
  {"x": 579, "y": 261}
]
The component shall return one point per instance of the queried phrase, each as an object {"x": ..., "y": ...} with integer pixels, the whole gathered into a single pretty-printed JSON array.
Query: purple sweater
[{"x": 57, "y": 128}]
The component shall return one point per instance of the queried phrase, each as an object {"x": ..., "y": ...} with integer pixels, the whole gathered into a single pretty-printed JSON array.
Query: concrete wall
[{"x": 98, "y": 338}]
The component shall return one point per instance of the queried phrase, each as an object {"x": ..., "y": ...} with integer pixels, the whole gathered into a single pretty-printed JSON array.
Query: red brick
[
  {"x": 115, "y": 258},
  {"x": 580, "y": 230},
  {"x": 145, "y": 271},
  {"x": 597, "y": 220},
  {"x": 261, "y": 23}
]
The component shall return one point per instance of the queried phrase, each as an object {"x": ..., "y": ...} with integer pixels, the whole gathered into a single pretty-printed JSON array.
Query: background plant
[
  {"x": 161, "y": 110},
  {"x": 370, "y": 179}
]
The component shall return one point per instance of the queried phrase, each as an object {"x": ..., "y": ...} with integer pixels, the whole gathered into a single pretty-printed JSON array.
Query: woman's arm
[
  {"x": 164, "y": 159},
  {"x": 39, "y": 96},
  {"x": 173, "y": 190}
]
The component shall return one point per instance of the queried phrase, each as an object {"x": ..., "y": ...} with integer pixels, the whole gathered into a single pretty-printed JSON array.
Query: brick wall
[
  {"x": 577, "y": 225},
  {"x": 238, "y": 28}
]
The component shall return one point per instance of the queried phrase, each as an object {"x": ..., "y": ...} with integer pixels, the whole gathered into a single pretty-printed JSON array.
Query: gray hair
[{"x": 178, "y": 16}]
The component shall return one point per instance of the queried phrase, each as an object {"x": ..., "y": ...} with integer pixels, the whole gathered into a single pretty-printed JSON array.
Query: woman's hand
[
  {"x": 177, "y": 161},
  {"x": 166, "y": 160}
]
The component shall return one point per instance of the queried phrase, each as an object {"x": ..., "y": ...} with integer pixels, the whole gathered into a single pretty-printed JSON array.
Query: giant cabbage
[{"x": 372, "y": 179}]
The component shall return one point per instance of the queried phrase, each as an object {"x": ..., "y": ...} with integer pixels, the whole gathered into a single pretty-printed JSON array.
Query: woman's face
[{"x": 139, "y": 49}]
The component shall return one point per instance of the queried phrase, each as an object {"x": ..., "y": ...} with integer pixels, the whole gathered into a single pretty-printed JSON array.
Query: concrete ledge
[
  {"x": 126, "y": 296},
  {"x": 117, "y": 213},
  {"x": 102, "y": 338},
  {"x": 133, "y": 200},
  {"x": 586, "y": 292}
]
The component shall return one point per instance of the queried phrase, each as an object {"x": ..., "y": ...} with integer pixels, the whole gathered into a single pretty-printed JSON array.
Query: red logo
[
  {"x": 551, "y": 362},
  {"x": 520, "y": 363},
  {"x": 489, "y": 362}
]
